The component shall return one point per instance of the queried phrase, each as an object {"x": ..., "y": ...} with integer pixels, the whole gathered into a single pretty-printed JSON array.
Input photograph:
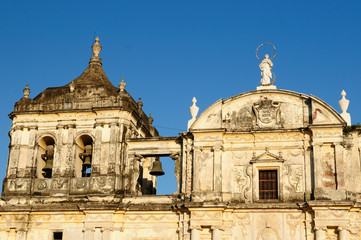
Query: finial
[
  {"x": 344, "y": 106},
  {"x": 72, "y": 86},
  {"x": 343, "y": 94},
  {"x": 96, "y": 47},
  {"x": 122, "y": 85},
  {"x": 140, "y": 104},
  {"x": 26, "y": 91},
  {"x": 194, "y": 111},
  {"x": 150, "y": 119}
]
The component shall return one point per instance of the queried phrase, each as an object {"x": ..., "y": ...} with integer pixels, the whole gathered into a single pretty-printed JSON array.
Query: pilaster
[
  {"x": 196, "y": 232},
  {"x": 196, "y": 170},
  {"x": 340, "y": 172},
  {"x": 88, "y": 233},
  {"x": 217, "y": 168},
  {"x": 343, "y": 233},
  {"x": 216, "y": 233},
  {"x": 320, "y": 233},
  {"x": 317, "y": 159}
]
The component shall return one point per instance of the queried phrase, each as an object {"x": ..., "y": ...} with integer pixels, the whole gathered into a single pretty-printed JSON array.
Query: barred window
[{"x": 268, "y": 184}]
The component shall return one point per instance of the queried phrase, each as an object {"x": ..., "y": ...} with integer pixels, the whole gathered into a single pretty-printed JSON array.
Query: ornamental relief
[
  {"x": 59, "y": 183},
  {"x": 18, "y": 184},
  {"x": 294, "y": 178},
  {"x": 151, "y": 218},
  {"x": 241, "y": 155},
  {"x": 74, "y": 218},
  {"x": 295, "y": 152},
  {"x": 241, "y": 181},
  {"x": 80, "y": 183},
  {"x": 206, "y": 214},
  {"x": 267, "y": 113},
  {"x": 42, "y": 185},
  {"x": 99, "y": 217},
  {"x": 206, "y": 164},
  {"x": 332, "y": 214},
  {"x": 209, "y": 138},
  {"x": 239, "y": 229},
  {"x": 294, "y": 223},
  {"x": 268, "y": 233}
]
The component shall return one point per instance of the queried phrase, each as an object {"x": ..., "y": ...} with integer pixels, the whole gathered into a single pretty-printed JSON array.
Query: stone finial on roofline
[
  {"x": 96, "y": 47},
  {"x": 140, "y": 104},
  {"x": 150, "y": 119},
  {"x": 344, "y": 105},
  {"x": 122, "y": 85},
  {"x": 26, "y": 91},
  {"x": 194, "y": 111},
  {"x": 72, "y": 86}
]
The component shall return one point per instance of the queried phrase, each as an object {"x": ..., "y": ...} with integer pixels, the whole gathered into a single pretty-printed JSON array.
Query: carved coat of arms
[{"x": 266, "y": 112}]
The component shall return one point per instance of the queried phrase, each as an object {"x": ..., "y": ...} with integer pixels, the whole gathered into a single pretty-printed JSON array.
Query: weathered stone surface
[{"x": 220, "y": 164}]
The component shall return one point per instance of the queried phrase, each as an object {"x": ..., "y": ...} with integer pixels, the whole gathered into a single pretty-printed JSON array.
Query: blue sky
[{"x": 170, "y": 51}]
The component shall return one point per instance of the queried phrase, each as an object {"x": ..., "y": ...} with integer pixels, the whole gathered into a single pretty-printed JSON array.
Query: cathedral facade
[{"x": 266, "y": 164}]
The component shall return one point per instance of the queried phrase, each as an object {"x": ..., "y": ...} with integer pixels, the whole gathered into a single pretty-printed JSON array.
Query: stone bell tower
[{"x": 70, "y": 140}]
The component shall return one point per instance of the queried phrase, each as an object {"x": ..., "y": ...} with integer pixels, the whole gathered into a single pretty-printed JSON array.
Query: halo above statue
[{"x": 274, "y": 48}]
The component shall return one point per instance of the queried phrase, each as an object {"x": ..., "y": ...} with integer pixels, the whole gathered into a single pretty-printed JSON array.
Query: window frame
[{"x": 267, "y": 161}]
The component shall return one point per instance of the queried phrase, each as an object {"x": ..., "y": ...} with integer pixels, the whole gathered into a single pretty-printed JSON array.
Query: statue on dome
[{"x": 266, "y": 67}]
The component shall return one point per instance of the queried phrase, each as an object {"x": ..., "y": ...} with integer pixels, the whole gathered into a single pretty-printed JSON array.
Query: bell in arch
[
  {"x": 49, "y": 165},
  {"x": 87, "y": 161},
  {"x": 157, "y": 168},
  {"x": 86, "y": 155},
  {"x": 48, "y": 157},
  {"x": 49, "y": 153}
]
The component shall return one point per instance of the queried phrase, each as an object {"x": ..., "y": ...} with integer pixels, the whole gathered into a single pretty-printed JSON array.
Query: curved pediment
[{"x": 267, "y": 110}]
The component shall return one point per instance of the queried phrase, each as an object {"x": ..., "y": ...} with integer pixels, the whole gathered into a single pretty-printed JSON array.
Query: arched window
[
  {"x": 84, "y": 152},
  {"x": 45, "y": 157}
]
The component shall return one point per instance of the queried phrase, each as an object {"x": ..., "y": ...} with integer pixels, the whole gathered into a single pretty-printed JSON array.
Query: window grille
[{"x": 268, "y": 184}]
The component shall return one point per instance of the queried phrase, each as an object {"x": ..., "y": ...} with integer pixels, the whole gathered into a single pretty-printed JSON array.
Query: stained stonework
[{"x": 81, "y": 159}]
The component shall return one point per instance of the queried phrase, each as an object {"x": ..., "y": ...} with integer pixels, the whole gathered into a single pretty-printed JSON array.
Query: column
[
  {"x": 216, "y": 233},
  {"x": 196, "y": 233},
  {"x": 342, "y": 233},
  {"x": 320, "y": 233}
]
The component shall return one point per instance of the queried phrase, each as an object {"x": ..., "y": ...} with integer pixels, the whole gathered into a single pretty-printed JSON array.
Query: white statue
[{"x": 266, "y": 67}]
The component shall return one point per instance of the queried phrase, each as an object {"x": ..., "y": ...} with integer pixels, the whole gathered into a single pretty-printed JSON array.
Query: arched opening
[
  {"x": 159, "y": 176},
  {"x": 45, "y": 159},
  {"x": 84, "y": 156},
  {"x": 167, "y": 184}
]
